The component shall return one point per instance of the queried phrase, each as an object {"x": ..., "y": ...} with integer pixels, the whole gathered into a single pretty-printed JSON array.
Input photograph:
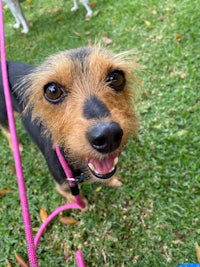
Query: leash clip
[
  {"x": 72, "y": 179},
  {"x": 81, "y": 178}
]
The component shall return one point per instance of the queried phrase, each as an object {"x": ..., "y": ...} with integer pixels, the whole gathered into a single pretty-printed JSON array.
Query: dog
[
  {"x": 81, "y": 100},
  {"x": 86, "y": 5},
  {"x": 18, "y": 14}
]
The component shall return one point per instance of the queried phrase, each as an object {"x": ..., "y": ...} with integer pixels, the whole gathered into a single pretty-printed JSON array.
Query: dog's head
[{"x": 83, "y": 97}]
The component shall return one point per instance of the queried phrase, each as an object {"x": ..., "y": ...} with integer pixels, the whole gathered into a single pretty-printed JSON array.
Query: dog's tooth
[
  {"x": 91, "y": 166},
  {"x": 112, "y": 169},
  {"x": 116, "y": 161}
]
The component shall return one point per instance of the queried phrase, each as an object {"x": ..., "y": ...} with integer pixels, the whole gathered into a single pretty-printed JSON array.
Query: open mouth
[{"x": 104, "y": 168}]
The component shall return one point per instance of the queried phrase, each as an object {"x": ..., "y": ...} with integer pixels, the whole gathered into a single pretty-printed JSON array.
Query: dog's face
[{"x": 83, "y": 98}]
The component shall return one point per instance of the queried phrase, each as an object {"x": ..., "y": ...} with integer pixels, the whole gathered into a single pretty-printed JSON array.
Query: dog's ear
[{"x": 16, "y": 72}]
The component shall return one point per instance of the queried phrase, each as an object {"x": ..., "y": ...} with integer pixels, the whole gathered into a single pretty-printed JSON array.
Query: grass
[{"x": 153, "y": 220}]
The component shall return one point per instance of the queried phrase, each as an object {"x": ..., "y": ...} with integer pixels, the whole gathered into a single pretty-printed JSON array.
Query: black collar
[{"x": 82, "y": 177}]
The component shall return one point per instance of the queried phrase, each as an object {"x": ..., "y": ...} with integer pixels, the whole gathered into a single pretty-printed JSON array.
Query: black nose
[{"x": 105, "y": 137}]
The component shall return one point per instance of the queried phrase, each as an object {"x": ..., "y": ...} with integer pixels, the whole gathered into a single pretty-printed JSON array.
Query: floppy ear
[{"x": 17, "y": 70}]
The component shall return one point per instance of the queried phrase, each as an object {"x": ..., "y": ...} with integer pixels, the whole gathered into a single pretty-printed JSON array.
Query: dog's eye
[
  {"x": 116, "y": 80},
  {"x": 54, "y": 92}
]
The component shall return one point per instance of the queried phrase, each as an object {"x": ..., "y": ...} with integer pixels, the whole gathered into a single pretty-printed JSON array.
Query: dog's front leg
[
  {"x": 19, "y": 16},
  {"x": 75, "y": 7},
  {"x": 114, "y": 182},
  {"x": 65, "y": 191}
]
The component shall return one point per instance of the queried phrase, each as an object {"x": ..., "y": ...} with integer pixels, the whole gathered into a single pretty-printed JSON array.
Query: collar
[{"x": 79, "y": 178}]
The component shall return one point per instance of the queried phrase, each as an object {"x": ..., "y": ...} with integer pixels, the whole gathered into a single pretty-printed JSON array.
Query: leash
[
  {"x": 72, "y": 183},
  {"x": 16, "y": 153},
  {"x": 78, "y": 204}
]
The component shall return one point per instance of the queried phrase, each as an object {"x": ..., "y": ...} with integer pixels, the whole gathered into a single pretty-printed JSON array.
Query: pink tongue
[{"x": 104, "y": 166}]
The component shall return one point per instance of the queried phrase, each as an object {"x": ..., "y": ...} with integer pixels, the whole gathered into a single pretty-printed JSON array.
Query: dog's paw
[
  {"x": 25, "y": 30},
  {"x": 89, "y": 14},
  {"x": 84, "y": 203},
  {"x": 74, "y": 8},
  {"x": 114, "y": 182},
  {"x": 66, "y": 193},
  {"x": 16, "y": 25}
]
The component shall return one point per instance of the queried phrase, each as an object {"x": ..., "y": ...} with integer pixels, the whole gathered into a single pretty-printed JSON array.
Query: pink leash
[
  {"x": 31, "y": 243},
  {"x": 18, "y": 164}
]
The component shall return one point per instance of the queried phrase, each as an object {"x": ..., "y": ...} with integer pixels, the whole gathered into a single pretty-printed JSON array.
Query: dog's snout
[{"x": 105, "y": 137}]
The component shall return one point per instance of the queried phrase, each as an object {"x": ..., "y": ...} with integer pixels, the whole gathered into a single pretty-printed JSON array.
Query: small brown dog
[{"x": 80, "y": 100}]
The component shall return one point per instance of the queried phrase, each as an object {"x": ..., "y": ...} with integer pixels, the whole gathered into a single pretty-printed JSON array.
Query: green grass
[{"x": 153, "y": 220}]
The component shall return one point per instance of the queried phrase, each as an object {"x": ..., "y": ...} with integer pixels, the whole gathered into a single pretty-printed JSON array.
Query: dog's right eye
[{"x": 54, "y": 92}]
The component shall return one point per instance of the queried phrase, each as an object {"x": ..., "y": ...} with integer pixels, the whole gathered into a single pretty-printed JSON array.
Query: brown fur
[{"x": 81, "y": 78}]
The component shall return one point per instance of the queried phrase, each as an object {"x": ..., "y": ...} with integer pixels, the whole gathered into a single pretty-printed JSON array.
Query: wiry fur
[
  {"x": 63, "y": 120},
  {"x": 82, "y": 73}
]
